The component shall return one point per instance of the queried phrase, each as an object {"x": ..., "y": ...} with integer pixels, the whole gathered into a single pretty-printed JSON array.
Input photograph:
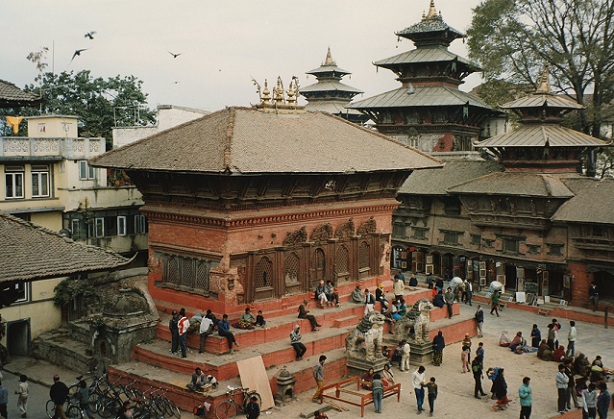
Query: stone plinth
[
  {"x": 358, "y": 366},
  {"x": 421, "y": 353}
]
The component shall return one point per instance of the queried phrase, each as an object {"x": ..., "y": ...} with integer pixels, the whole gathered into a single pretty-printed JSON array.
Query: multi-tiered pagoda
[
  {"x": 428, "y": 111},
  {"x": 329, "y": 94}
]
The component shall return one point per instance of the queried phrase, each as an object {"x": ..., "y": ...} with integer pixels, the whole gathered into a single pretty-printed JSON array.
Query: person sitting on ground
[
  {"x": 504, "y": 340},
  {"x": 543, "y": 351},
  {"x": 260, "y": 319},
  {"x": 331, "y": 295},
  {"x": 303, "y": 314},
  {"x": 356, "y": 296},
  {"x": 380, "y": 295},
  {"x": 597, "y": 361},
  {"x": 439, "y": 283},
  {"x": 320, "y": 293},
  {"x": 253, "y": 408},
  {"x": 246, "y": 321},
  {"x": 295, "y": 341},
  {"x": 199, "y": 379},
  {"x": 439, "y": 301},
  {"x": 387, "y": 375},
  {"x": 413, "y": 281},
  {"x": 581, "y": 365},
  {"x": 517, "y": 341},
  {"x": 366, "y": 381},
  {"x": 558, "y": 355},
  {"x": 318, "y": 415}
]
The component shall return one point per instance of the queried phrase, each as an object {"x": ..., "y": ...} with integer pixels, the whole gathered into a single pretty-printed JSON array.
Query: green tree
[
  {"x": 100, "y": 104},
  {"x": 513, "y": 40}
]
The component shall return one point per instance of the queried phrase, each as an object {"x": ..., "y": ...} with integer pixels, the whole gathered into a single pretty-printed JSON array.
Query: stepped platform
[{"x": 60, "y": 347}]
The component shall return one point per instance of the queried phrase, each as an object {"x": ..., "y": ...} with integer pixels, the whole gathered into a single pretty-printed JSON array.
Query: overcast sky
[{"x": 223, "y": 43}]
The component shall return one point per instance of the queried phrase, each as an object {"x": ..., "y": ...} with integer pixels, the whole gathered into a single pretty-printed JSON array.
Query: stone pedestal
[
  {"x": 285, "y": 387},
  {"x": 359, "y": 366},
  {"x": 421, "y": 353}
]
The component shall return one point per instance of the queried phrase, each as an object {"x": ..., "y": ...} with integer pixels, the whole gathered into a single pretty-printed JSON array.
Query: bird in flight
[
  {"x": 90, "y": 35},
  {"x": 175, "y": 55},
  {"x": 78, "y": 52}
]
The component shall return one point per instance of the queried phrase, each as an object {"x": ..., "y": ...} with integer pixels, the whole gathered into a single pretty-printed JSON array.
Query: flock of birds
[{"x": 90, "y": 36}]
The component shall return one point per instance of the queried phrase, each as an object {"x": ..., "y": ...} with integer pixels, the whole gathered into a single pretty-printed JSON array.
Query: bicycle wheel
[
  {"x": 110, "y": 409},
  {"x": 50, "y": 408},
  {"x": 249, "y": 396},
  {"x": 226, "y": 409},
  {"x": 74, "y": 412},
  {"x": 94, "y": 402},
  {"x": 172, "y": 410}
]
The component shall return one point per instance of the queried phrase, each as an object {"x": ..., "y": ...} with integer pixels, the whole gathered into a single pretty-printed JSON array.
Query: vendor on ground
[
  {"x": 199, "y": 379},
  {"x": 247, "y": 319},
  {"x": 543, "y": 351}
]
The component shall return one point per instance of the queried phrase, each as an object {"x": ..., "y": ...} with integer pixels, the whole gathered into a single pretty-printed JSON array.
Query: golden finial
[
  {"x": 432, "y": 11},
  {"x": 544, "y": 82},
  {"x": 266, "y": 93},
  {"x": 329, "y": 59},
  {"x": 278, "y": 91}
]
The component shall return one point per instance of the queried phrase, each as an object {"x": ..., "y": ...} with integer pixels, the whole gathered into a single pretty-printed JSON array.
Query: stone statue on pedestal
[{"x": 417, "y": 319}]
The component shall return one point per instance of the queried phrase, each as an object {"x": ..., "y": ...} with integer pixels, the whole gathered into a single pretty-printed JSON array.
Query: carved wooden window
[
  {"x": 342, "y": 261},
  {"x": 202, "y": 275},
  {"x": 172, "y": 274},
  {"x": 319, "y": 262},
  {"x": 185, "y": 272},
  {"x": 292, "y": 268},
  {"x": 188, "y": 274},
  {"x": 363, "y": 255},
  {"x": 264, "y": 273}
]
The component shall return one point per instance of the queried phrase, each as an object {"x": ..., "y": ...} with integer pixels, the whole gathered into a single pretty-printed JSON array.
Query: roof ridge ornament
[
  {"x": 544, "y": 82},
  {"x": 281, "y": 100},
  {"x": 329, "y": 59},
  {"x": 432, "y": 11}
]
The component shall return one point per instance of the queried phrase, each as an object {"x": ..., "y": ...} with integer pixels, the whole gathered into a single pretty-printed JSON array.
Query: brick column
[{"x": 580, "y": 283}]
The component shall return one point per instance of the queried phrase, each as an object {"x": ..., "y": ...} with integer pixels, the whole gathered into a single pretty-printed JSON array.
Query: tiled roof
[
  {"x": 541, "y": 135},
  {"x": 29, "y": 252},
  {"x": 522, "y": 184},
  {"x": 437, "y": 181},
  {"x": 592, "y": 203},
  {"x": 538, "y": 100},
  {"x": 420, "y": 96},
  {"x": 11, "y": 94},
  {"x": 427, "y": 26},
  {"x": 432, "y": 54},
  {"x": 248, "y": 141},
  {"x": 324, "y": 86}
]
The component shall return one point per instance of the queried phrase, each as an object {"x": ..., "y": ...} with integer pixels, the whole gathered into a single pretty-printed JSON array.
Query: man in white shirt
[
  {"x": 184, "y": 324},
  {"x": 206, "y": 328},
  {"x": 418, "y": 382},
  {"x": 405, "y": 350},
  {"x": 398, "y": 288},
  {"x": 571, "y": 337}
]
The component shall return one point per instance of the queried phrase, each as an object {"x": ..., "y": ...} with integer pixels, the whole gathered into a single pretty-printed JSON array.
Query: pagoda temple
[
  {"x": 429, "y": 111},
  {"x": 256, "y": 205},
  {"x": 329, "y": 94}
]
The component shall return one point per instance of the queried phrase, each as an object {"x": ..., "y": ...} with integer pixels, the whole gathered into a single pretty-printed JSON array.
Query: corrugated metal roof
[
  {"x": 422, "y": 96},
  {"x": 29, "y": 252},
  {"x": 250, "y": 141},
  {"x": 592, "y": 203},
  {"x": 323, "y": 86},
  {"x": 432, "y": 54},
  {"x": 538, "y": 100},
  {"x": 540, "y": 135},
  {"x": 507, "y": 183},
  {"x": 437, "y": 181}
]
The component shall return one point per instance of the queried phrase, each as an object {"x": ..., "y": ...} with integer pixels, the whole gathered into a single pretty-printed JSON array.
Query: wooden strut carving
[
  {"x": 346, "y": 230},
  {"x": 322, "y": 232},
  {"x": 368, "y": 227},
  {"x": 296, "y": 237}
]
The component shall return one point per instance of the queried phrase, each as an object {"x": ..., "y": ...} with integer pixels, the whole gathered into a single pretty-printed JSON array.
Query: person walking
[
  {"x": 174, "y": 328},
  {"x": 432, "y": 395},
  {"x": 84, "y": 400},
  {"x": 477, "y": 367},
  {"x": 603, "y": 401},
  {"x": 469, "y": 292},
  {"x": 494, "y": 302},
  {"x": 377, "y": 390},
  {"x": 223, "y": 329},
  {"x": 418, "y": 382},
  {"x": 58, "y": 393},
  {"x": 479, "y": 318},
  {"x": 318, "y": 375},
  {"x": 562, "y": 381},
  {"x": 526, "y": 398},
  {"x": 571, "y": 340},
  {"x": 438, "y": 346},
  {"x": 4, "y": 401},
  {"x": 183, "y": 324},
  {"x": 589, "y": 402},
  {"x": 22, "y": 395},
  {"x": 449, "y": 298},
  {"x": 466, "y": 351},
  {"x": 206, "y": 328},
  {"x": 500, "y": 389},
  {"x": 295, "y": 341},
  {"x": 405, "y": 351}
]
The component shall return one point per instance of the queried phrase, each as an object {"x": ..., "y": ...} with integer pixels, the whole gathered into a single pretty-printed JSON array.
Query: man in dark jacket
[
  {"x": 58, "y": 393},
  {"x": 174, "y": 328},
  {"x": 252, "y": 409}
]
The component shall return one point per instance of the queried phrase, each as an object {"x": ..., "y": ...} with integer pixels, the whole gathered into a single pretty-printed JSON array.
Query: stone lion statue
[
  {"x": 418, "y": 319},
  {"x": 365, "y": 341}
]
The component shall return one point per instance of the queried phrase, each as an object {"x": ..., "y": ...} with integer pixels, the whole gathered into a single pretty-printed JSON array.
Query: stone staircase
[{"x": 67, "y": 346}]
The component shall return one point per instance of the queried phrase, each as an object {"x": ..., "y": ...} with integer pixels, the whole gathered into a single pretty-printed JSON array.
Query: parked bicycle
[{"x": 229, "y": 408}]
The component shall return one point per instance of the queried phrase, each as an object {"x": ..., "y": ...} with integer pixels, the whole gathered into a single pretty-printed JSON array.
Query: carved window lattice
[
  {"x": 202, "y": 275},
  {"x": 264, "y": 273},
  {"x": 188, "y": 274},
  {"x": 292, "y": 268},
  {"x": 173, "y": 271},
  {"x": 342, "y": 261},
  {"x": 363, "y": 255}
]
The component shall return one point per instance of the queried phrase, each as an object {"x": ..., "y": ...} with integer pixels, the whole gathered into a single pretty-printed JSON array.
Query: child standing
[{"x": 432, "y": 394}]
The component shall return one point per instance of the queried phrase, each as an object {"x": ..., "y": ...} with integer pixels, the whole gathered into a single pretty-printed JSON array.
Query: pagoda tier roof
[
  {"x": 552, "y": 135},
  {"x": 29, "y": 253},
  {"x": 420, "y": 96},
  {"x": 329, "y": 85},
  {"x": 437, "y": 181},
  {"x": 331, "y": 106},
  {"x": 519, "y": 184},
  {"x": 431, "y": 54},
  {"x": 328, "y": 69},
  {"x": 598, "y": 193},
  {"x": 240, "y": 141},
  {"x": 431, "y": 29},
  {"x": 11, "y": 95},
  {"x": 538, "y": 100}
]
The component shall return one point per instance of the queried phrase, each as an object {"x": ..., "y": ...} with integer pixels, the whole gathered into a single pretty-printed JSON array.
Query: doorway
[{"x": 18, "y": 337}]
